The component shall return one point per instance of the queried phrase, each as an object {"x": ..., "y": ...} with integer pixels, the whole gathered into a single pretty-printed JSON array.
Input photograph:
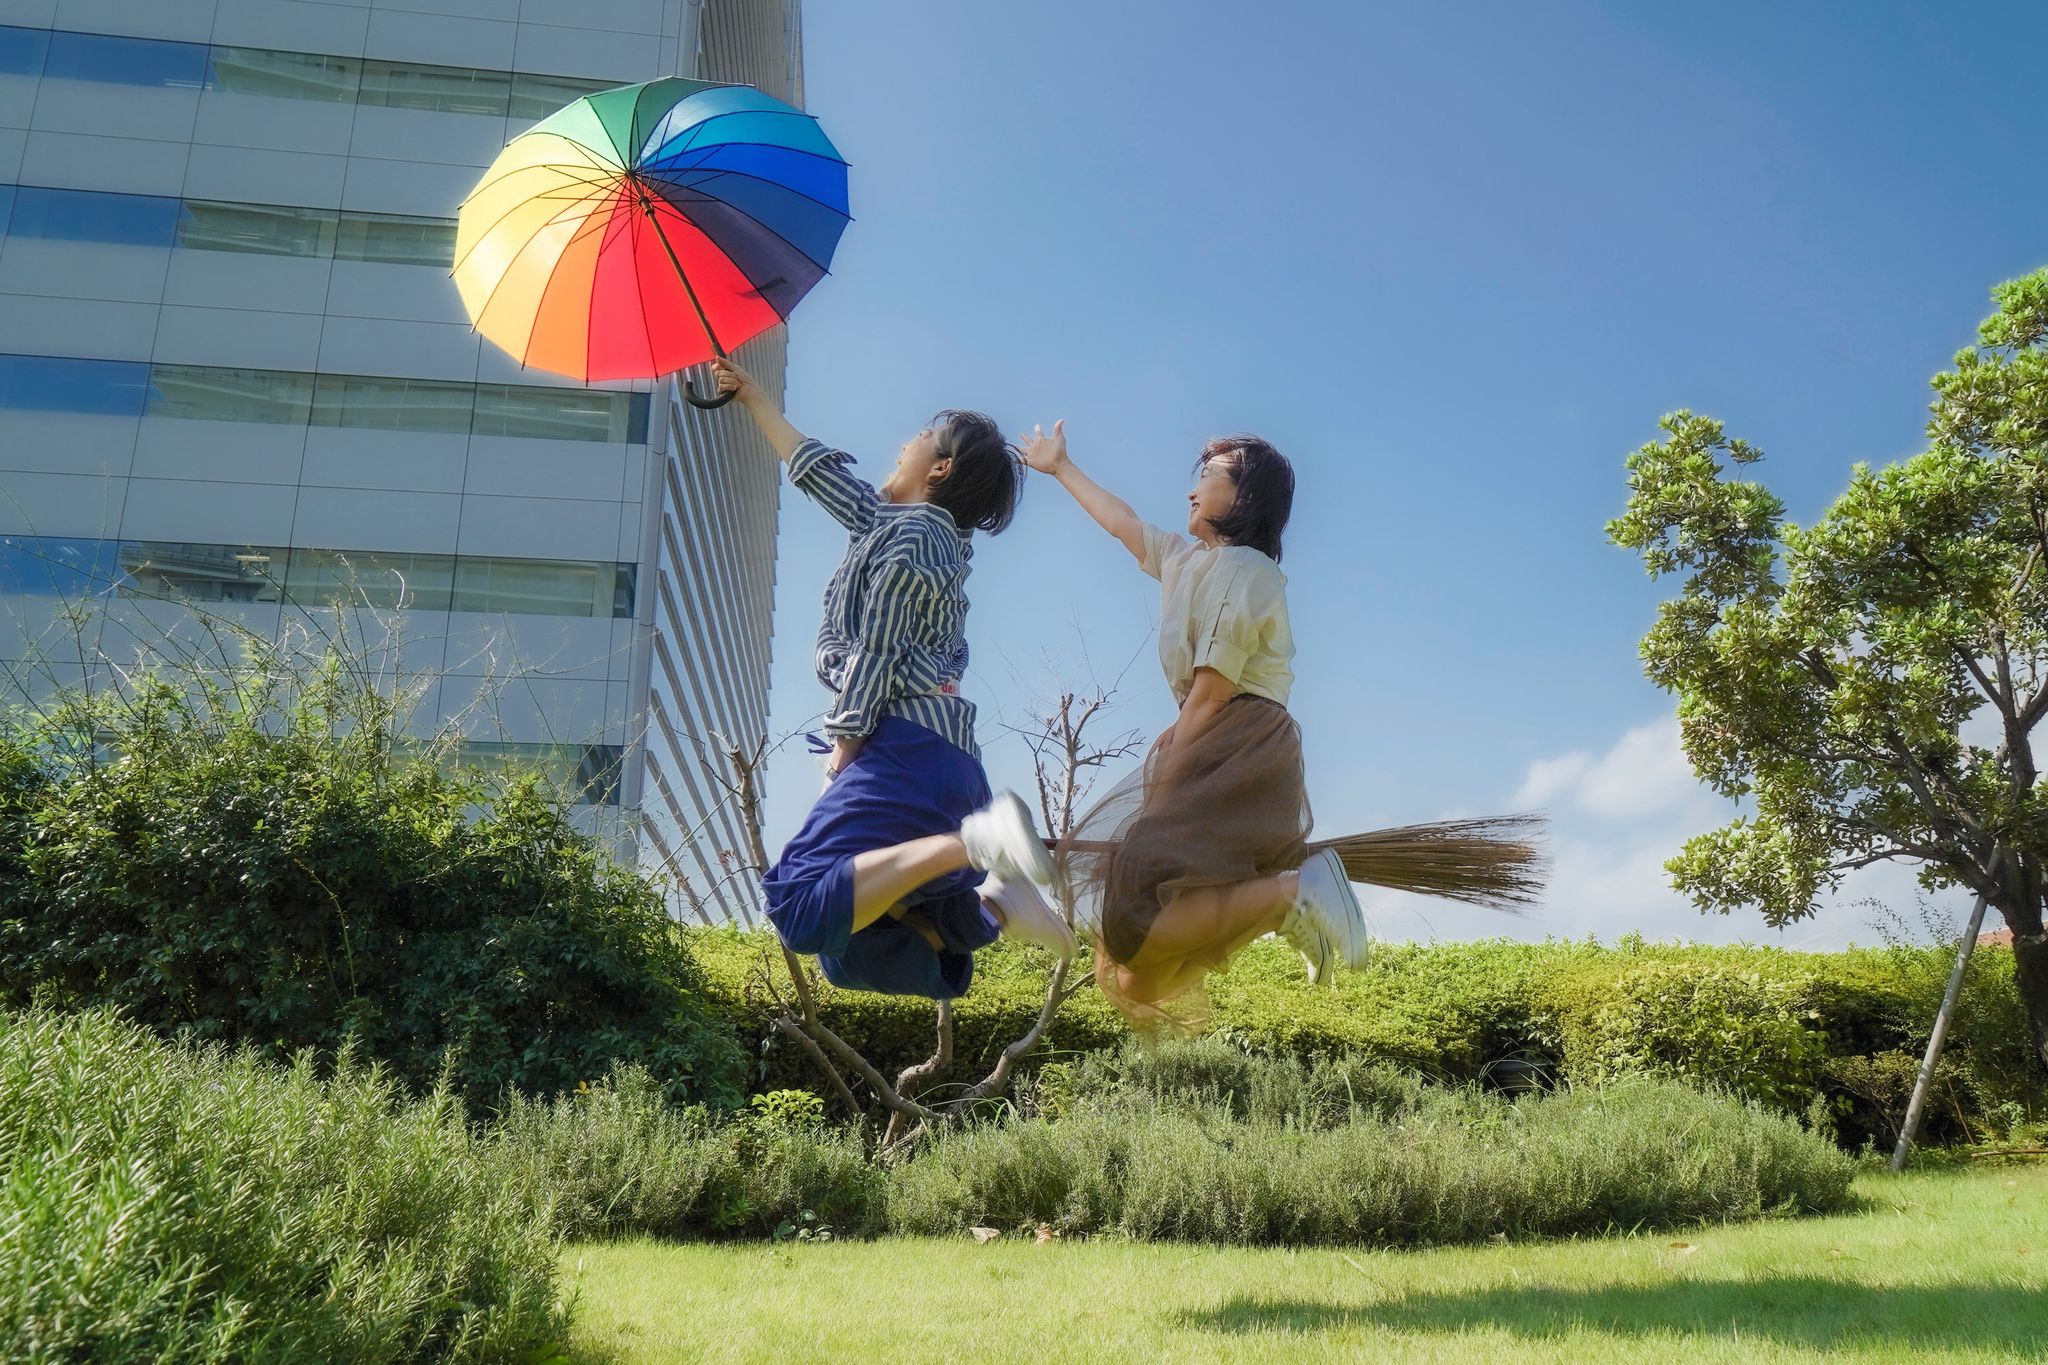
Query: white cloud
[{"x": 1616, "y": 818}]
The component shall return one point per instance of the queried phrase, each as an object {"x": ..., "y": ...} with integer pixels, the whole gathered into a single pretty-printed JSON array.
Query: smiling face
[
  {"x": 1213, "y": 495},
  {"x": 919, "y": 465}
]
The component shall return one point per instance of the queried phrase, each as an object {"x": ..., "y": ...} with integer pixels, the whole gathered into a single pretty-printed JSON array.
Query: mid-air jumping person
[
  {"x": 1204, "y": 848},
  {"x": 885, "y": 881}
]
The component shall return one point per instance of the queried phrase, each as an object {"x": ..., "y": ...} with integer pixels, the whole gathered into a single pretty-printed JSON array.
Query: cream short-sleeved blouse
[{"x": 1224, "y": 609}]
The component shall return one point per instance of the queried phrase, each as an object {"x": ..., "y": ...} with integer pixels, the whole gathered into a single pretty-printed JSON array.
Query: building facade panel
[{"x": 236, "y": 382}]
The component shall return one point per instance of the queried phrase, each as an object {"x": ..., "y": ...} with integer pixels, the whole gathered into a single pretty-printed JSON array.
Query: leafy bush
[
  {"x": 174, "y": 1204},
  {"x": 1701, "y": 1022},
  {"x": 259, "y": 860},
  {"x": 615, "y": 1159},
  {"x": 1456, "y": 1012},
  {"x": 1410, "y": 1167}
]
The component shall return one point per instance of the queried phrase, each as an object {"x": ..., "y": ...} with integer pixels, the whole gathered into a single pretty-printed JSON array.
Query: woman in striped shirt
[{"x": 906, "y": 865}]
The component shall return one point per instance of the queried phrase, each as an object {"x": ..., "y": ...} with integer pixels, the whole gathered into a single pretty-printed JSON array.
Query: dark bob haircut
[
  {"x": 1265, "y": 493},
  {"x": 982, "y": 488}
]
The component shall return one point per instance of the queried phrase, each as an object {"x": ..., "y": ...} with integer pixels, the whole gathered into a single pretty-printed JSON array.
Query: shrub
[
  {"x": 615, "y": 1159},
  {"x": 173, "y": 1204},
  {"x": 1697, "y": 1021},
  {"x": 259, "y": 860},
  {"x": 1429, "y": 1165}
]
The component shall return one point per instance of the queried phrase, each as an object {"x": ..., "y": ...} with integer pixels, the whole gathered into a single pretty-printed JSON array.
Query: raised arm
[
  {"x": 821, "y": 473},
  {"x": 1048, "y": 455},
  {"x": 782, "y": 438}
]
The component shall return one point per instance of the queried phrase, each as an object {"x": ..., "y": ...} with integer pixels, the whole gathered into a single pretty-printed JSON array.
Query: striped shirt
[{"x": 893, "y": 640}]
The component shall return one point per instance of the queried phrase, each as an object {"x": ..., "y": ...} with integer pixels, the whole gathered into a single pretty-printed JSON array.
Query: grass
[{"x": 1948, "y": 1265}]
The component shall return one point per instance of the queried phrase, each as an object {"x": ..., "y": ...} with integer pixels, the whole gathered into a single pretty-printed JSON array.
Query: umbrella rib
[
  {"x": 712, "y": 172},
  {"x": 533, "y": 324},
  {"x": 500, "y": 284},
  {"x": 593, "y": 164},
  {"x": 702, "y": 124},
  {"x": 765, "y": 227},
  {"x": 542, "y": 196}
]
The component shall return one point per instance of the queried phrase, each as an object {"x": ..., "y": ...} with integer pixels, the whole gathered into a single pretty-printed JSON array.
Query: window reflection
[
  {"x": 590, "y": 771},
  {"x": 443, "y": 89},
  {"x": 396, "y": 240},
  {"x": 202, "y": 573},
  {"x": 263, "y": 229},
  {"x": 125, "y": 61},
  {"x": 284, "y": 75},
  {"x": 39, "y": 383},
  {"x": 22, "y": 50},
  {"x": 89, "y": 216},
  {"x": 48, "y": 566},
  {"x": 383, "y": 579},
  {"x": 210, "y": 393},
  {"x": 383, "y": 404}
]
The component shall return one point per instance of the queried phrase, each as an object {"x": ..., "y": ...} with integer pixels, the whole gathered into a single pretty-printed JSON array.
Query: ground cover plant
[
  {"x": 184, "y": 1204},
  {"x": 1936, "y": 1265}
]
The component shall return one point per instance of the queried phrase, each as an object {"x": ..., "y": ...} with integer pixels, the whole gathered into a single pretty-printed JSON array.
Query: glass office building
[{"x": 236, "y": 381}]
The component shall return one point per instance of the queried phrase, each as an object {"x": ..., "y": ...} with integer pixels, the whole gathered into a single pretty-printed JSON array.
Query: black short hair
[
  {"x": 982, "y": 489},
  {"x": 1265, "y": 493}
]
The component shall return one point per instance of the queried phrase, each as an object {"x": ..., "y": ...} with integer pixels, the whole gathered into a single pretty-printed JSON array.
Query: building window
[
  {"x": 38, "y": 383},
  {"x": 49, "y": 566},
  {"x": 89, "y": 216},
  {"x": 590, "y": 771},
  {"x": 382, "y": 579},
  {"x": 201, "y": 573},
  {"x": 22, "y": 50},
  {"x": 211, "y": 394},
  {"x": 381, "y": 404},
  {"x": 535, "y": 97},
  {"x": 284, "y": 75},
  {"x": 534, "y": 587},
  {"x": 41, "y": 566},
  {"x": 396, "y": 240},
  {"x": 560, "y": 414},
  {"x": 125, "y": 61},
  {"x": 34, "y": 383},
  {"x": 262, "y": 229},
  {"x": 442, "y": 89}
]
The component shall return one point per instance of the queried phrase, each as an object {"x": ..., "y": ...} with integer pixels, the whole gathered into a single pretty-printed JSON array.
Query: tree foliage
[{"x": 1825, "y": 673}]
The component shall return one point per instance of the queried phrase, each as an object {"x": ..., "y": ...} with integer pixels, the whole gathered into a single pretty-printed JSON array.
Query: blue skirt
[{"x": 907, "y": 782}]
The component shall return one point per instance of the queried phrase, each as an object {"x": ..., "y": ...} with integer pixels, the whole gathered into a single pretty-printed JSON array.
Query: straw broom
[
  {"x": 1494, "y": 862},
  {"x": 1489, "y": 861}
]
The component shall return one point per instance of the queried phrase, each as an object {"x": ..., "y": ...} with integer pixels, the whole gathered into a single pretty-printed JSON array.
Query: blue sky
[{"x": 1455, "y": 260}]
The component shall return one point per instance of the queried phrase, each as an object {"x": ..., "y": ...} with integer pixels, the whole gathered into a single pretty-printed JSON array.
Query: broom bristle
[{"x": 1491, "y": 861}]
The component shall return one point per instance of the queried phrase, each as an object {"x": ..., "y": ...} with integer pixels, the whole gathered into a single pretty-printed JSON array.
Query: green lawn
[{"x": 1938, "y": 1266}]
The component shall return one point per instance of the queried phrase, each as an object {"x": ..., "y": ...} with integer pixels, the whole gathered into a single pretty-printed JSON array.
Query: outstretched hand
[
  {"x": 1045, "y": 453},
  {"x": 732, "y": 379}
]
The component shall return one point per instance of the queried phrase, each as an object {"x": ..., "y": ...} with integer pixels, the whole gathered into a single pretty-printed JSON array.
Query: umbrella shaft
[{"x": 702, "y": 321}]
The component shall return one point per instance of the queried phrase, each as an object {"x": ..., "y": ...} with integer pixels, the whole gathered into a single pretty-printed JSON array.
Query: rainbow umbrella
[{"x": 649, "y": 228}]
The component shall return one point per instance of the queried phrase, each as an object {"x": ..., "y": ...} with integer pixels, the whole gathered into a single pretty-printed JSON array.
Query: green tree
[{"x": 1825, "y": 673}]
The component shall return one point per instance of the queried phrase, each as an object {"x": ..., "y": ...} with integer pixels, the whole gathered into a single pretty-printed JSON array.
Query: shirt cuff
[
  {"x": 1223, "y": 656},
  {"x": 809, "y": 455}
]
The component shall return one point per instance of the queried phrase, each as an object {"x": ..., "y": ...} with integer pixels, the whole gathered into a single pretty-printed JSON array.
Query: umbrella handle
[{"x": 690, "y": 393}]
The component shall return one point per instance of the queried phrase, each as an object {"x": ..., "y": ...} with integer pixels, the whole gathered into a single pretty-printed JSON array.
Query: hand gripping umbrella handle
[{"x": 690, "y": 393}]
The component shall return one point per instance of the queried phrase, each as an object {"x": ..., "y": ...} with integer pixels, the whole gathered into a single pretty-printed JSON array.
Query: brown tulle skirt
[{"x": 1229, "y": 808}]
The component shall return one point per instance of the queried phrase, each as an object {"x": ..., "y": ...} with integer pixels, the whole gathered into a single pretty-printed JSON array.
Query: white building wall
[{"x": 690, "y": 509}]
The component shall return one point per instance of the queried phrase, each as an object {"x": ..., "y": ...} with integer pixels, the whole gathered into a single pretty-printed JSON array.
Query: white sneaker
[
  {"x": 1026, "y": 916},
  {"x": 1316, "y": 953},
  {"x": 1000, "y": 839},
  {"x": 1326, "y": 900}
]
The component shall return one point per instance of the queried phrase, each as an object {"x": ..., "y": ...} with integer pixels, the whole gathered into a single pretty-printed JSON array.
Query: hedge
[{"x": 1782, "y": 1027}]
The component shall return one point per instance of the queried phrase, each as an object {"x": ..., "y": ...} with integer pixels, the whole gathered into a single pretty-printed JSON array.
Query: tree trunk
[{"x": 2030, "y": 971}]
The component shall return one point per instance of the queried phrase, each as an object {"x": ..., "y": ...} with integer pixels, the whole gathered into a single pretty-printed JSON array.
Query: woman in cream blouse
[{"x": 1202, "y": 849}]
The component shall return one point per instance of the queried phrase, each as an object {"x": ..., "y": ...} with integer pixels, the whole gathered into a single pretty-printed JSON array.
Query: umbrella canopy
[{"x": 645, "y": 229}]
